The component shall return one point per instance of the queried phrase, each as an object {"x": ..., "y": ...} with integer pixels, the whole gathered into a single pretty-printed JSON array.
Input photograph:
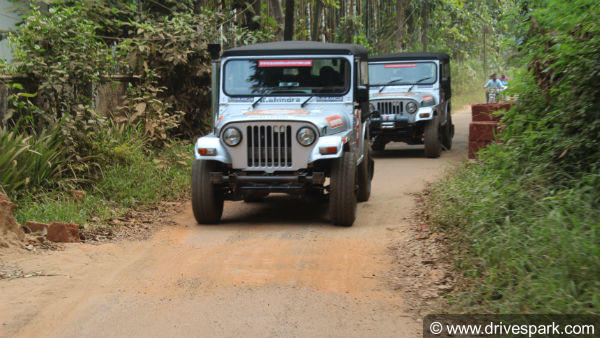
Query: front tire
[
  {"x": 207, "y": 200},
  {"x": 342, "y": 199},
  {"x": 365, "y": 174},
  {"x": 432, "y": 138}
]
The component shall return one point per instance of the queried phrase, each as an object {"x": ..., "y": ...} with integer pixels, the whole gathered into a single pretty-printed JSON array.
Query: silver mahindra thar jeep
[
  {"x": 289, "y": 117},
  {"x": 410, "y": 99}
]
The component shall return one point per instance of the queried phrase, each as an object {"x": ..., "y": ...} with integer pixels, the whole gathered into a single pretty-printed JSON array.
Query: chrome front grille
[
  {"x": 269, "y": 146},
  {"x": 390, "y": 107}
]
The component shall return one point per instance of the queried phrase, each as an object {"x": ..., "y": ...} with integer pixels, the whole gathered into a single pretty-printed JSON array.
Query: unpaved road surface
[{"x": 272, "y": 269}]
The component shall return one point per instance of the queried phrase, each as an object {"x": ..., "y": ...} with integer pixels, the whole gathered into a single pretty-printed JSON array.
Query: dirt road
[{"x": 276, "y": 269}]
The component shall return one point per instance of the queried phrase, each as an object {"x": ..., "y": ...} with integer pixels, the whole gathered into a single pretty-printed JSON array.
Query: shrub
[{"x": 29, "y": 161}]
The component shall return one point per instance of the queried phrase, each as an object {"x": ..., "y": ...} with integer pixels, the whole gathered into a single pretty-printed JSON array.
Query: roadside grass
[
  {"x": 145, "y": 179},
  {"x": 522, "y": 244}
]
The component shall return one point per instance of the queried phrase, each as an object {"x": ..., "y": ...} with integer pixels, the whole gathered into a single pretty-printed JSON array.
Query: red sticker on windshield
[
  {"x": 400, "y": 65},
  {"x": 285, "y": 63}
]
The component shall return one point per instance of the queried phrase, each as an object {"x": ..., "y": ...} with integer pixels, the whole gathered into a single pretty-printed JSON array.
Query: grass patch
[
  {"x": 522, "y": 244},
  {"x": 145, "y": 179}
]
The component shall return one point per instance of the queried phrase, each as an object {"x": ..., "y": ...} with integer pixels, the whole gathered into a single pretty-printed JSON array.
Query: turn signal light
[
  {"x": 424, "y": 115},
  {"x": 207, "y": 151},
  {"x": 328, "y": 150}
]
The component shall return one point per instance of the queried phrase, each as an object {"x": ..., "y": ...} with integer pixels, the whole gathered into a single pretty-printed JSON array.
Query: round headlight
[
  {"x": 372, "y": 107},
  {"x": 411, "y": 107},
  {"x": 306, "y": 136},
  {"x": 232, "y": 136}
]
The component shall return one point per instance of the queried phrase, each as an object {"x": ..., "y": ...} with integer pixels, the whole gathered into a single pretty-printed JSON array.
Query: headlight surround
[
  {"x": 411, "y": 107},
  {"x": 306, "y": 136},
  {"x": 232, "y": 136}
]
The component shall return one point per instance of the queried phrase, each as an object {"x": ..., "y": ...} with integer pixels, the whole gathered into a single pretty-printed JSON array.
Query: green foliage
[
  {"x": 140, "y": 180},
  {"x": 29, "y": 161},
  {"x": 556, "y": 122},
  {"x": 60, "y": 53},
  {"x": 67, "y": 54},
  {"x": 521, "y": 246},
  {"x": 524, "y": 221}
]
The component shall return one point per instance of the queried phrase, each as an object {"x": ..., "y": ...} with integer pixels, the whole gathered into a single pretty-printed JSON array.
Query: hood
[
  {"x": 423, "y": 98},
  {"x": 327, "y": 119}
]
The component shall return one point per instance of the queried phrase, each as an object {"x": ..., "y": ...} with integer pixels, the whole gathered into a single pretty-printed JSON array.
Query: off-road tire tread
[
  {"x": 365, "y": 175},
  {"x": 342, "y": 199},
  {"x": 448, "y": 133},
  {"x": 207, "y": 203},
  {"x": 432, "y": 139}
]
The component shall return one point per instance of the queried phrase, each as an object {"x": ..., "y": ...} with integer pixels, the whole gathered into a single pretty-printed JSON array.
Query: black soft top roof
[
  {"x": 411, "y": 56},
  {"x": 297, "y": 48}
]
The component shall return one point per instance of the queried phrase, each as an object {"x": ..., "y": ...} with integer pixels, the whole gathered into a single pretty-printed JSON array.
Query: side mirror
[
  {"x": 214, "y": 49},
  {"x": 362, "y": 94}
]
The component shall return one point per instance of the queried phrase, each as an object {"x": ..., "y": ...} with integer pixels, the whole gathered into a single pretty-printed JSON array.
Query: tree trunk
[
  {"x": 400, "y": 24},
  {"x": 256, "y": 10},
  {"x": 278, "y": 14},
  {"x": 288, "y": 32},
  {"x": 314, "y": 31},
  {"x": 425, "y": 24}
]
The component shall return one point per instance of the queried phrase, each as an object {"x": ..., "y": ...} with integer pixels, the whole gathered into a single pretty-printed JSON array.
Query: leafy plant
[{"x": 29, "y": 161}]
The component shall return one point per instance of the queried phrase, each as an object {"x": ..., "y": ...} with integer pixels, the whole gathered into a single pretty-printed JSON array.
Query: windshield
[
  {"x": 397, "y": 73},
  {"x": 287, "y": 76}
]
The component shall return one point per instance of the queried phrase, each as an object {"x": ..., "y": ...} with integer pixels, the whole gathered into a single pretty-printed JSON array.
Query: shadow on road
[
  {"x": 277, "y": 209},
  {"x": 400, "y": 153}
]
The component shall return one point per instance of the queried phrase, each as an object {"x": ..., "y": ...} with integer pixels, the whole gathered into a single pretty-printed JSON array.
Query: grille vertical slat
[
  {"x": 283, "y": 130},
  {"x": 275, "y": 147},
  {"x": 289, "y": 146},
  {"x": 281, "y": 146},
  {"x": 249, "y": 142},
  {"x": 261, "y": 149}
]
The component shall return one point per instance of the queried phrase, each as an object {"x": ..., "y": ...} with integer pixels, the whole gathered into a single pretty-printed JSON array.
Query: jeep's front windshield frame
[
  {"x": 402, "y": 79},
  {"x": 293, "y": 75}
]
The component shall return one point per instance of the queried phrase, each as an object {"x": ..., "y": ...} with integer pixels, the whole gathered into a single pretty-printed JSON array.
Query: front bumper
[
  {"x": 240, "y": 184},
  {"x": 300, "y": 179}
]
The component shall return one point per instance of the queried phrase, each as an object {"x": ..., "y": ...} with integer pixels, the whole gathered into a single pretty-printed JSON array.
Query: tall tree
[
  {"x": 314, "y": 30},
  {"x": 288, "y": 32},
  {"x": 278, "y": 14},
  {"x": 424, "y": 38},
  {"x": 400, "y": 24}
]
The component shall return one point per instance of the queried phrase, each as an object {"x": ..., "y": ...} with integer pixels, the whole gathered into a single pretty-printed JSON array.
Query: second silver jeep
[{"x": 411, "y": 92}]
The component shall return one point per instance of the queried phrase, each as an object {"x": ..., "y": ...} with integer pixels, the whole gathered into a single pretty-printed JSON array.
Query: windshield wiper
[
  {"x": 262, "y": 96},
  {"x": 306, "y": 101},
  {"x": 414, "y": 84},
  {"x": 389, "y": 83}
]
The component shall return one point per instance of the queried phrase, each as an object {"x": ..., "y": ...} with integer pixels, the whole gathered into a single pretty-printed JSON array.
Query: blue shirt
[{"x": 493, "y": 83}]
